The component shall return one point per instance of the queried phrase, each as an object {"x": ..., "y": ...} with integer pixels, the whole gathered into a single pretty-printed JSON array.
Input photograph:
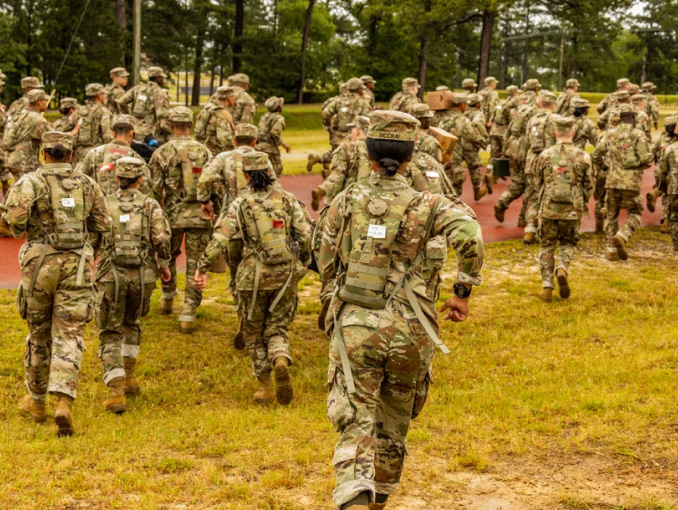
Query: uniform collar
[
  {"x": 62, "y": 169},
  {"x": 396, "y": 181}
]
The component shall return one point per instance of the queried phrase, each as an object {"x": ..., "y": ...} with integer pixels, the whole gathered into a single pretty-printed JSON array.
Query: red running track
[{"x": 301, "y": 186}]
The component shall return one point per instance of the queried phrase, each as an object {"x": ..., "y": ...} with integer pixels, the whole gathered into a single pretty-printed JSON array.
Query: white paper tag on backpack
[
  {"x": 432, "y": 174},
  {"x": 141, "y": 97},
  {"x": 68, "y": 202},
  {"x": 124, "y": 218},
  {"x": 376, "y": 231}
]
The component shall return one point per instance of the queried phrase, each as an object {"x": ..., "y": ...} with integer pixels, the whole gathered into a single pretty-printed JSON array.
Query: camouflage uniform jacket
[
  {"x": 514, "y": 141},
  {"x": 159, "y": 235},
  {"x": 29, "y": 209},
  {"x": 608, "y": 101},
  {"x": 455, "y": 123},
  {"x": 349, "y": 164},
  {"x": 563, "y": 200},
  {"x": 489, "y": 98},
  {"x": 214, "y": 128},
  {"x": 442, "y": 217},
  {"x": 66, "y": 123},
  {"x": 96, "y": 125},
  {"x": 114, "y": 94},
  {"x": 626, "y": 153},
  {"x": 244, "y": 108},
  {"x": 661, "y": 143},
  {"x": 99, "y": 164},
  {"x": 234, "y": 223},
  {"x": 402, "y": 100},
  {"x": 477, "y": 117},
  {"x": 540, "y": 130},
  {"x": 343, "y": 110},
  {"x": 169, "y": 186},
  {"x": 148, "y": 103},
  {"x": 604, "y": 119},
  {"x": 424, "y": 173},
  {"x": 429, "y": 144},
  {"x": 585, "y": 131},
  {"x": 17, "y": 107},
  {"x": 563, "y": 102},
  {"x": 667, "y": 175},
  {"x": 369, "y": 97},
  {"x": 644, "y": 123},
  {"x": 503, "y": 117},
  {"x": 652, "y": 107},
  {"x": 271, "y": 126},
  {"x": 23, "y": 155}
]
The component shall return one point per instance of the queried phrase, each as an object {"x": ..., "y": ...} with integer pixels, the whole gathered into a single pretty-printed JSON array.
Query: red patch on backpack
[
  {"x": 107, "y": 167},
  {"x": 278, "y": 224},
  {"x": 197, "y": 170},
  {"x": 561, "y": 169}
]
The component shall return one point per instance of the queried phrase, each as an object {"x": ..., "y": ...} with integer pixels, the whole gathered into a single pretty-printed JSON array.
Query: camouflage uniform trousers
[
  {"x": 516, "y": 188},
  {"x": 553, "y": 232},
  {"x": 457, "y": 176},
  {"x": 474, "y": 163},
  {"x": 56, "y": 314},
  {"x": 672, "y": 210},
  {"x": 615, "y": 201},
  {"x": 195, "y": 244},
  {"x": 336, "y": 138},
  {"x": 276, "y": 162},
  {"x": 265, "y": 332},
  {"x": 390, "y": 355},
  {"x": 118, "y": 321},
  {"x": 496, "y": 146},
  {"x": 531, "y": 198}
]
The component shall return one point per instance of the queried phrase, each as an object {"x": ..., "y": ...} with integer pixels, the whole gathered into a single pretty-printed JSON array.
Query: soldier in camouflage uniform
[
  {"x": 126, "y": 277},
  {"x": 176, "y": 167},
  {"x": 667, "y": 181},
  {"x": 214, "y": 125},
  {"x": 368, "y": 89},
  {"x": 148, "y": 103},
  {"x": 335, "y": 138},
  {"x": 643, "y": 121},
  {"x": 60, "y": 211},
  {"x": 498, "y": 130},
  {"x": 564, "y": 101},
  {"x": 469, "y": 85},
  {"x": 266, "y": 219},
  {"x": 622, "y": 97},
  {"x": 22, "y": 136},
  {"x": 489, "y": 99},
  {"x": 563, "y": 176},
  {"x": 626, "y": 154},
  {"x": 611, "y": 99},
  {"x": 244, "y": 107},
  {"x": 409, "y": 95},
  {"x": 271, "y": 126},
  {"x": 651, "y": 102},
  {"x": 666, "y": 138},
  {"x": 425, "y": 142},
  {"x": 116, "y": 89},
  {"x": 470, "y": 151},
  {"x": 94, "y": 122},
  {"x": 381, "y": 348},
  {"x": 99, "y": 163},
  {"x": 68, "y": 107},
  {"x": 585, "y": 130},
  {"x": 27, "y": 84}
]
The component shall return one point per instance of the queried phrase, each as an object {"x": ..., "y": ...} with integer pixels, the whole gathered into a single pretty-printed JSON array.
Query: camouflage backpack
[
  {"x": 202, "y": 121},
  {"x": 374, "y": 223},
  {"x": 86, "y": 135},
  {"x": 193, "y": 159},
  {"x": 105, "y": 174},
  {"x": 13, "y": 132},
  {"x": 140, "y": 102},
  {"x": 267, "y": 224},
  {"x": 535, "y": 137},
  {"x": 345, "y": 113},
  {"x": 131, "y": 228},
  {"x": 560, "y": 186},
  {"x": 623, "y": 142},
  {"x": 67, "y": 196}
]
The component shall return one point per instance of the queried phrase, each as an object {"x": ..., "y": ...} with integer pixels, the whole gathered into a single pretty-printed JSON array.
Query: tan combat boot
[
  {"x": 265, "y": 395},
  {"x": 620, "y": 244},
  {"x": 522, "y": 222},
  {"x": 326, "y": 171},
  {"x": 166, "y": 305},
  {"x": 563, "y": 285},
  {"x": 651, "y": 199},
  {"x": 64, "y": 415},
  {"x": 283, "y": 391},
  {"x": 313, "y": 160},
  {"x": 612, "y": 256},
  {"x": 665, "y": 229},
  {"x": 499, "y": 213},
  {"x": 316, "y": 196},
  {"x": 116, "y": 402},
  {"x": 131, "y": 384},
  {"x": 600, "y": 225},
  {"x": 34, "y": 408},
  {"x": 238, "y": 340},
  {"x": 187, "y": 324},
  {"x": 546, "y": 295},
  {"x": 529, "y": 238},
  {"x": 489, "y": 181},
  {"x": 479, "y": 193}
]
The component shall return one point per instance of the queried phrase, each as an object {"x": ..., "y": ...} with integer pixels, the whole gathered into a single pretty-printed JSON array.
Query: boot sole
[
  {"x": 65, "y": 425},
  {"x": 621, "y": 249},
  {"x": 563, "y": 287},
  {"x": 238, "y": 342},
  {"x": 498, "y": 216},
  {"x": 650, "y": 204},
  {"x": 283, "y": 390}
]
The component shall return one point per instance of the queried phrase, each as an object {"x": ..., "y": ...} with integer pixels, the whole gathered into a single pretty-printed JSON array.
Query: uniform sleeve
[
  {"x": 105, "y": 123},
  {"x": 593, "y": 134},
  {"x": 328, "y": 247},
  {"x": 225, "y": 229},
  {"x": 86, "y": 164},
  {"x": 338, "y": 168},
  {"x": 224, "y": 130},
  {"x": 161, "y": 104},
  {"x": 276, "y": 130},
  {"x": 248, "y": 111},
  {"x": 42, "y": 126},
  {"x": 469, "y": 132},
  {"x": 157, "y": 164},
  {"x": 549, "y": 134},
  {"x": 598, "y": 154},
  {"x": 99, "y": 219},
  {"x": 127, "y": 99},
  {"x": 161, "y": 235},
  {"x": 211, "y": 175},
  {"x": 587, "y": 177},
  {"x": 18, "y": 205},
  {"x": 644, "y": 153},
  {"x": 301, "y": 222},
  {"x": 492, "y": 107}
]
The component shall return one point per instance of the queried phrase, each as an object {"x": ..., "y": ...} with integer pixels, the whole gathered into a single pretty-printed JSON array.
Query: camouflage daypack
[
  {"x": 13, "y": 135},
  {"x": 535, "y": 137},
  {"x": 193, "y": 159},
  {"x": 131, "y": 228},
  {"x": 202, "y": 122},
  {"x": 140, "y": 102},
  {"x": 268, "y": 225},
  {"x": 560, "y": 185},
  {"x": 345, "y": 113},
  {"x": 67, "y": 196},
  {"x": 105, "y": 174},
  {"x": 623, "y": 142}
]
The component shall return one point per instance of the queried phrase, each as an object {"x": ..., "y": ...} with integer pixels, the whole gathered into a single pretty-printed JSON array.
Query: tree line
[{"x": 301, "y": 49}]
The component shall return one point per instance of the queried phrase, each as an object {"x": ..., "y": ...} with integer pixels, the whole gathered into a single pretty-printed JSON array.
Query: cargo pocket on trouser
[
  {"x": 100, "y": 308},
  {"x": 340, "y": 411},
  {"x": 421, "y": 394},
  {"x": 21, "y": 301}
]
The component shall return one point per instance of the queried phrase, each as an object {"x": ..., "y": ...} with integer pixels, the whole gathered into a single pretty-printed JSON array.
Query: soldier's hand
[
  {"x": 287, "y": 148},
  {"x": 207, "y": 211},
  {"x": 200, "y": 280},
  {"x": 165, "y": 274},
  {"x": 457, "y": 309}
]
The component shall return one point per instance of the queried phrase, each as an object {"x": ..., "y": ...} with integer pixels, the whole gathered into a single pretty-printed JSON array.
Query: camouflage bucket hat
[
  {"x": 239, "y": 78},
  {"x": 36, "y": 95},
  {"x": 224, "y": 92},
  {"x": 53, "y": 138},
  {"x": 473, "y": 99},
  {"x": 255, "y": 160},
  {"x": 118, "y": 72},
  {"x": 129, "y": 168},
  {"x": 94, "y": 89},
  {"x": 623, "y": 82},
  {"x": 354, "y": 84},
  {"x": 273, "y": 103},
  {"x": 123, "y": 120},
  {"x": 490, "y": 79},
  {"x": 31, "y": 81},
  {"x": 563, "y": 123},
  {"x": 367, "y": 79},
  {"x": 671, "y": 120},
  {"x": 410, "y": 82},
  {"x": 578, "y": 102},
  {"x": 572, "y": 82},
  {"x": 181, "y": 114},
  {"x": 155, "y": 71},
  {"x": 468, "y": 83},
  {"x": 361, "y": 122},
  {"x": 459, "y": 99},
  {"x": 420, "y": 111},
  {"x": 442, "y": 87},
  {"x": 392, "y": 125},
  {"x": 68, "y": 102},
  {"x": 246, "y": 131}
]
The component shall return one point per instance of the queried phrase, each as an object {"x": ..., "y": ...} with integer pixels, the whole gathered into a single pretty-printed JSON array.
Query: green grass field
[{"x": 568, "y": 405}]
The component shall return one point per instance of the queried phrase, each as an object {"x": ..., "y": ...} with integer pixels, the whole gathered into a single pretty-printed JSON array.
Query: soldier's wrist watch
[{"x": 461, "y": 291}]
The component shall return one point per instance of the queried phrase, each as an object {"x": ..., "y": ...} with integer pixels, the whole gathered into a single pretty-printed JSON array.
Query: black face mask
[
  {"x": 670, "y": 129},
  {"x": 580, "y": 112}
]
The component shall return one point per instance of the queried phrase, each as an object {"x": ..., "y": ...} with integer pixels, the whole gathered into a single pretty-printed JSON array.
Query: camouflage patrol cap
[
  {"x": 622, "y": 94},
  {"x": 94, "y": 89},
  {"x": 155, "y": 72},
  {"x": 625, "y": 108},
  {"x": 392, "y": 125},
  {"x": 255, "y": 160},
  {"x": 181, "y": 114},
  {"x": 473, "y": 99},
  {"x": 118, "y": 72},
  {"x": 563, "y": 123},
  {"x": 637, "y": 98},
  {"x": 410, "y": 82},
  {"x": 670, "y": 120},
  {"x": 342, "y": 86},
  {"x": 571, "y": 83},
  {"x": 361, "y": 122},
  {"x": 578, "y": 102},
  {"x": 129, "y": 167},
  {"x": 51, "y": 139},
  {"x": 68, "y": 102},
  {"x": 367, "y": 79},
  {"x": 623, "y": 82},
  {"x": 273, "y": 103},
  {"x": 31, "y": 82},
  {"x": 511, "y": 89},
  {"x": 459, "y": 99},
  {"x": 2, "y": 75},
  {"x": 532, "y": 84},
  {"x": 490, "y": 79},
  {"x": 547, "y": 96},
  {"x": 36, "y": 95},
  {"x": 442, "y": 87},
  {"x": 224, "y": 91},
  {"x": 648, "y": 86},
  {"x": 246, "y": 131},
  {"x": 469, "y": 83},
  {"x": 420, "y": 111},
  {"x": 239, "y": 78},
  {"x": 123, "y": 120},
  {"x": 633, "y": 89},
  {"x": 354, "y": 84}
]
